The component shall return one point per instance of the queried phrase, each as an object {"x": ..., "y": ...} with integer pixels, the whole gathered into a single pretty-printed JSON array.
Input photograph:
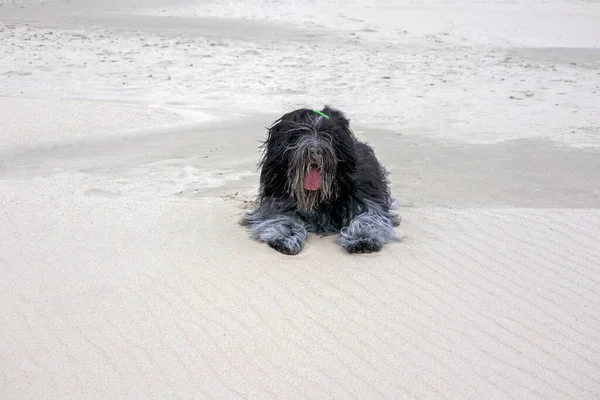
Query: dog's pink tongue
[{"x": 311, "y": 179}]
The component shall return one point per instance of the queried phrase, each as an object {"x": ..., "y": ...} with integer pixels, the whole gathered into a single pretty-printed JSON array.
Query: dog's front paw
[
  {"x": 285, "y": 246},
  {"x": 362, "y": 245}
]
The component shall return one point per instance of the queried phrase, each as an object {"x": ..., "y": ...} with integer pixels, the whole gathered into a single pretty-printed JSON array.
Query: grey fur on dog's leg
[
  {"x": 369, "y": 231},
  {"x": 283, "y": 233}
]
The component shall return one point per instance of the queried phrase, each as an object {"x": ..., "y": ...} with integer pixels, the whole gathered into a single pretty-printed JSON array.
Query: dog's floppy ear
[
  {"x": 273, "y": 164},
  {"x": 274, "y": 130},
  {"x": 338, "y": 117},
  {"x": 274, "y": 141}
]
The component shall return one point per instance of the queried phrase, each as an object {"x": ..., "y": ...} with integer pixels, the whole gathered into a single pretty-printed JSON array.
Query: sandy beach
[{"x": 129, "y": 136}]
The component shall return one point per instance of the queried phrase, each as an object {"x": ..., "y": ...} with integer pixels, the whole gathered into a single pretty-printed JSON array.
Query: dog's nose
[{"x": 315, "y": 152}]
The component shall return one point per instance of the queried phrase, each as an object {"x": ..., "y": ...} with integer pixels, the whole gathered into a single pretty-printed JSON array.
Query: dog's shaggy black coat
[{"x": 351, "y": 198}]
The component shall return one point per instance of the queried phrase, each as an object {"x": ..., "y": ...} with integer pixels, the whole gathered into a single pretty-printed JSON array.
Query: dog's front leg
[
  {"x": 284, "y": 233},
  {"x": 368, "y": 231}
]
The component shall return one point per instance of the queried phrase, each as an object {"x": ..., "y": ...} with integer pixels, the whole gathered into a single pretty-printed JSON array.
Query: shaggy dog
[{"x": 317, "y": 177}]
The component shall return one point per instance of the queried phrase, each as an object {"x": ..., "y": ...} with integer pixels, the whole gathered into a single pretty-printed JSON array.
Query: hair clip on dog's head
[{"x": 321, "y": 114}]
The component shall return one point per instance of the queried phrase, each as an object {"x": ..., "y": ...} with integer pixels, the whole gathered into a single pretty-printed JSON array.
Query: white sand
[{"x": 128, "y": 144}]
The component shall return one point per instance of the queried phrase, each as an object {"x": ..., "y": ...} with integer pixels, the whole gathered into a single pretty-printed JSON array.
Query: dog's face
[{"x": 308, "y": 157}]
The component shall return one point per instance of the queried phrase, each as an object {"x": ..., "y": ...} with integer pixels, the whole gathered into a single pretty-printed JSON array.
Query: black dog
[{"x": 317, "y": 177}]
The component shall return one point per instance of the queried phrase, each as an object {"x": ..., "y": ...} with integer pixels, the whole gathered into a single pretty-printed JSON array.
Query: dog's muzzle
[{"x": 312, "y": 178}]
